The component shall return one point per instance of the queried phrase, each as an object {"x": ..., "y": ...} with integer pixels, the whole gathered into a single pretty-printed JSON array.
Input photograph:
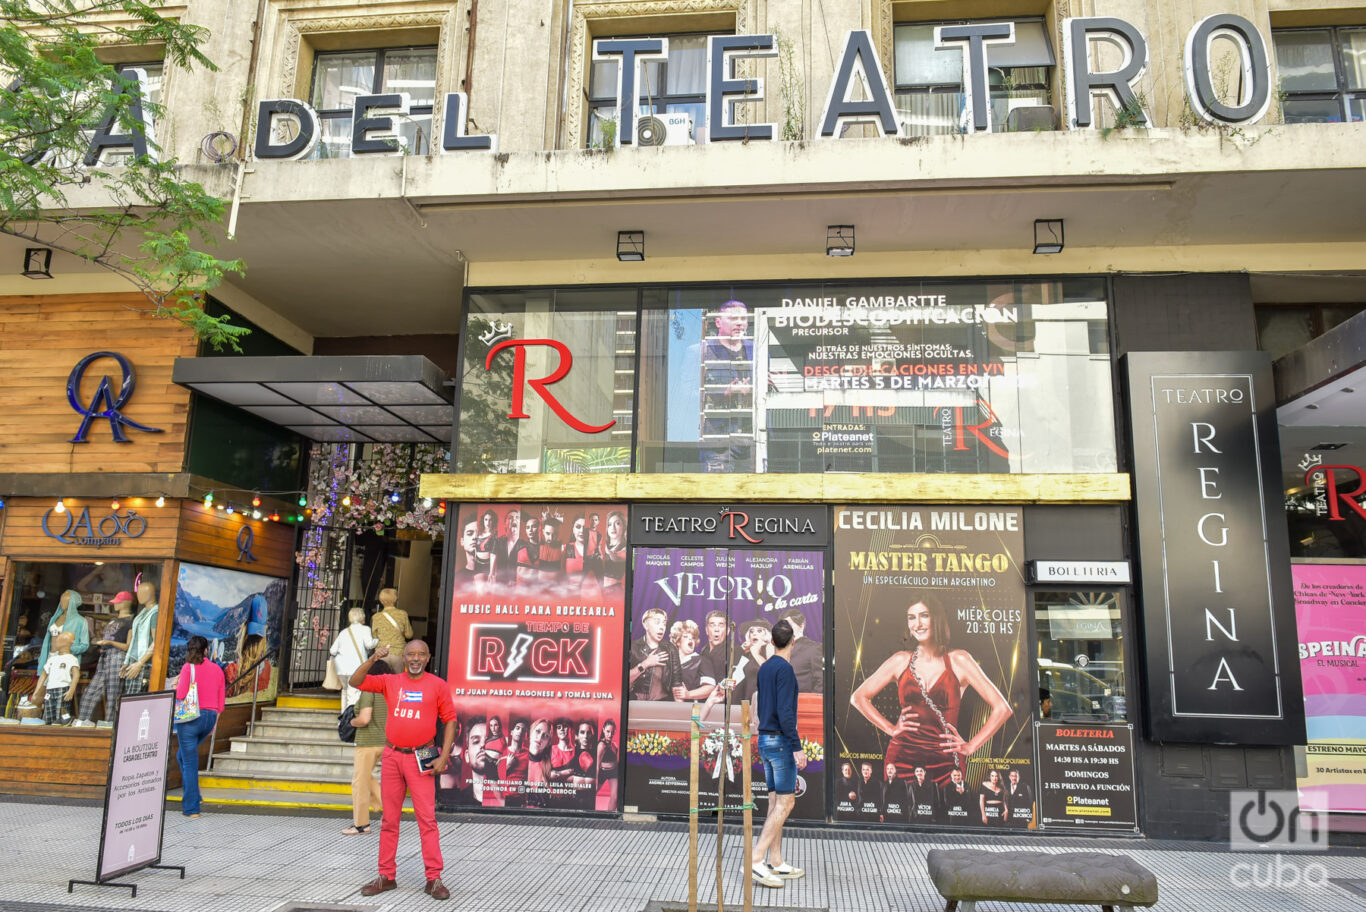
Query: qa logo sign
[
  {"x": 245, "y": 539},
  {"x": 82, "y": 530},
  {"x": 104, "y": 404}
]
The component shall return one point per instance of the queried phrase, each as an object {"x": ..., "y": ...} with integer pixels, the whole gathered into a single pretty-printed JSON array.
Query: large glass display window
[
  {"x": 1010, "y": 377},
  {"x": 548, "y": 382},
  {"x": 87, "y": 613}
]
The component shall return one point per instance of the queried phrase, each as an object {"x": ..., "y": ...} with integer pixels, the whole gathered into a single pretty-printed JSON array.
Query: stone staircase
[{"x": 293, "y": 759}]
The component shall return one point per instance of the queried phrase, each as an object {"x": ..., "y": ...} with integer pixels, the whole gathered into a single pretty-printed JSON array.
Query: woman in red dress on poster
[
  {"x": 608, "y": 756},
  {"x": 614, "y": 552},
  {"x": 931, "y": 680}
]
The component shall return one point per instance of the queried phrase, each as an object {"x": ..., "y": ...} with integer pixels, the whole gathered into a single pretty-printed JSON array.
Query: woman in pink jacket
[{"x": 209, "y": 682}]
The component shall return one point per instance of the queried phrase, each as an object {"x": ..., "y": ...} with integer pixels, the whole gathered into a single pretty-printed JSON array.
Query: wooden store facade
[{"x": 98, "y": 501}]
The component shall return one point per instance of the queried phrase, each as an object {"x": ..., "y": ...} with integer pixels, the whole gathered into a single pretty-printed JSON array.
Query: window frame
[
  {"x": 325, "y": 114},
  {"x": 1045, "y": 87},
  {"x": 659, "y": 104},
  {"x": 1344, "y": 95}
]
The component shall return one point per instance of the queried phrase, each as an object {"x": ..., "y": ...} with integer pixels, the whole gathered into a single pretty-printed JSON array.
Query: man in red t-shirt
[{"x": 416, "y": 700}]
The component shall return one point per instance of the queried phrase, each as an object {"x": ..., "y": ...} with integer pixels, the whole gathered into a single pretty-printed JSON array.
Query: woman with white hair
[{"x": 350, "y": 650}]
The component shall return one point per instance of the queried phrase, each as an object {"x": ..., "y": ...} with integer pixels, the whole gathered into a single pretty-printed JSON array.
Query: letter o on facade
[{"x": 1255, "y": 68}]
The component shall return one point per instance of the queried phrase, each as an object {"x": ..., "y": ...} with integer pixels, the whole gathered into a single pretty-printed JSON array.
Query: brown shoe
[
  {"x": 436, "y": 889},
  {"x": 379, "y": 885}
]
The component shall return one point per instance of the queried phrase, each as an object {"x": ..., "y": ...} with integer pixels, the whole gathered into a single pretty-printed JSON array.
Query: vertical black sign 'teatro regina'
[{"x": 1218, "y": 615}]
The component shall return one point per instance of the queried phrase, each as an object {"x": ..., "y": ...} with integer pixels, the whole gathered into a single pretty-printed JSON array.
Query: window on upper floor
[
  {"x": 676, "y": 85},
  {"x": 342, "y": 76},
  {"x": 929, "y": 81},
  {"x": 1323, "y": 74}
]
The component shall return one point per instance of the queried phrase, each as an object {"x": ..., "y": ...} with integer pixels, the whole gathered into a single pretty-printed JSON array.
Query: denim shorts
[{"x": 780, "y": 767}]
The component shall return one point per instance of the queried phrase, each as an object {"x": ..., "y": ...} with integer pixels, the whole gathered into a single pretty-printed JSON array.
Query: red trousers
[{"x": 399, "y": 774}]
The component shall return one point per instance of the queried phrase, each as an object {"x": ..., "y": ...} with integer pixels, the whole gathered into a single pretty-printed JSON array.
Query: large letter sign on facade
[
  {"x": 105, "y": 137},
  {"x": 519, "y": 379},
  {"x": 1254, "y": 74},
  {"x": 290, "y": 149},
  {"x": 859, "y": 54},
  {"x": 974, "y": 38},
  {"x": 1218, "y": 614},
  {"x": 453, "y": 136},
  {"x": 633, "y": 52},
  {"x": 104, "y": 404},
  {"x": 368, "y": 118},
  {"x": 1116, "y": 85},
  {"x": 724, "y": 90}
]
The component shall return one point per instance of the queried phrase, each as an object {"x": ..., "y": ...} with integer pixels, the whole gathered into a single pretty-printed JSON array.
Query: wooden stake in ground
[
  {"x": 748, "y": 805},
  {"x": 722, "y": 771},
  {"x": 696, "y": 739}
]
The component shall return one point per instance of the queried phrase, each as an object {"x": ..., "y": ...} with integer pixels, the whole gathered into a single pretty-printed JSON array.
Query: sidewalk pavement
[{"x": 262, "y": 863}]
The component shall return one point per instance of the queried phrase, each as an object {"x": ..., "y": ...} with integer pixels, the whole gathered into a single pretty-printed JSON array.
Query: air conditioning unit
[
  {"x": 1030, "y": 118},
  {"x": 665, "y": 129}
]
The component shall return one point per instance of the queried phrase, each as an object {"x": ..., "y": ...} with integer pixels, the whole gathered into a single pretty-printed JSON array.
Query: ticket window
[{"x": 1081, "y": 655}]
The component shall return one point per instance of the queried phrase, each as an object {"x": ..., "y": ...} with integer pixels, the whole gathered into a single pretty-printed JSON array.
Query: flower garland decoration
[
  {"x": 379, "y": 492},
  {"x": 655, "y": 744}
]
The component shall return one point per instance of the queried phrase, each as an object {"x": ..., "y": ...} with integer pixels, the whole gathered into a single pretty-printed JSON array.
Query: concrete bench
[{"x": 970, "y": 876}]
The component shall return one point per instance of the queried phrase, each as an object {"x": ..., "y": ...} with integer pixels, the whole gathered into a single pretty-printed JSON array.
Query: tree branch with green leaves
[{"x": 152, "y": 226}]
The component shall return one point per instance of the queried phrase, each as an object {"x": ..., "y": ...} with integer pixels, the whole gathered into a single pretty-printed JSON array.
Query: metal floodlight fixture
[
  {"x": 1048, "y": 236},
  {"x": 839, "y": 240},
  {"x": 38, "y": 262},
  {"x": 631, "y": 246}
]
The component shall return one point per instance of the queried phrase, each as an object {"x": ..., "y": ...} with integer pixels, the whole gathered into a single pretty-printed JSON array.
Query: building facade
[{"x": 898, "y": 315}]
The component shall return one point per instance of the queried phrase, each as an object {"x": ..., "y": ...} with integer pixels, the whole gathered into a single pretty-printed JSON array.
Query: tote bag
[{"x": 187, "y": 710}]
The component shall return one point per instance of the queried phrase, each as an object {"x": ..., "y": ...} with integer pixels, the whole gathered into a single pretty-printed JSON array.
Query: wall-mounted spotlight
[
  {"x": 1048, "y": 236},
  {"x": 631, "y": 246},
  {"x": 38, "y": 262},
  {"x": 839, "y": 240}
]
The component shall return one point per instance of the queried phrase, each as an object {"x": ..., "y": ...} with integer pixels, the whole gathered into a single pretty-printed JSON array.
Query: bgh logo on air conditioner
[{"x": 665, "y": 130}]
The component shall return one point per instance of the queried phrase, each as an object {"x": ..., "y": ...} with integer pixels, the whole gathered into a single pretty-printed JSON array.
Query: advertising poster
[
  {"x": 241, "y": 615},
  {"x": 1330, "y": 606},
  {"x": 933, "y": 682},
  {"x": 136, "y": 798},
  {"x": 909, "y": 377},
  {"x": 1086, "y": 777},
  {"x": 534, "y": 658},
  {"x": 702, "y": 617}
]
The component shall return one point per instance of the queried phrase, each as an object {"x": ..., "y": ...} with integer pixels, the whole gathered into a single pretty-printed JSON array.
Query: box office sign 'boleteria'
[{"x": 1218, "y": 617}]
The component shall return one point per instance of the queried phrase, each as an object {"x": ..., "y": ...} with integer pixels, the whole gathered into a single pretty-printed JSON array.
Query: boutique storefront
[
  {"x": 142, "y": 576},
  {"x": 936, "y": 482},
  {"x": 102, "y": 539}
]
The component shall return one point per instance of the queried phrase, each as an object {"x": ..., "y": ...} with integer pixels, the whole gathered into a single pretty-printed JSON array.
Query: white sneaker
[
  {"x": 82, "y": 723},
  {"x": 764, "y": 878},
  {"x": 785, "y": 871}
]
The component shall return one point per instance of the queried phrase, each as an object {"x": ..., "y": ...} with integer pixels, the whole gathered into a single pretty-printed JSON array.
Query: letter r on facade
[{"x": 540, "y": 386}]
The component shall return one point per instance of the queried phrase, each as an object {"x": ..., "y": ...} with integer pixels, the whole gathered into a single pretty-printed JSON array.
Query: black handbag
[{"x": 345, "y": 730}]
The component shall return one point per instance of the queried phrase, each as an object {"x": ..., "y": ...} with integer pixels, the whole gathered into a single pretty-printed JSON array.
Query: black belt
[{"x": 409, "y": 750}]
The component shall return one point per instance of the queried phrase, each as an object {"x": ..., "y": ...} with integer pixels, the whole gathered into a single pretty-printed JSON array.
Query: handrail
[{"x": 251, "y": 723}]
